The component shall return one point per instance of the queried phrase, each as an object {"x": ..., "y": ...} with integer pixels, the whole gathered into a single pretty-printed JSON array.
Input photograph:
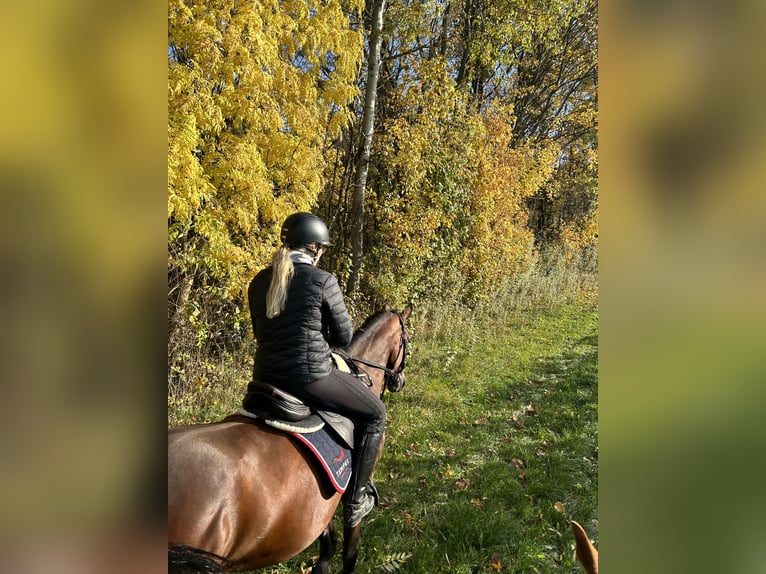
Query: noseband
[{"x": 393, "y": 379}]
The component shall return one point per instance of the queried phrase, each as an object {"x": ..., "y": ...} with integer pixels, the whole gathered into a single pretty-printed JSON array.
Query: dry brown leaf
[
  {"x": 461, "y": 484},
  {"x": 387, "y": 502},
  {"x": 517, "y": 462},
  {"x": 495, "y": 563},
  {"x": 559, "y": 506},
  {"x": 529, "y": 410}
]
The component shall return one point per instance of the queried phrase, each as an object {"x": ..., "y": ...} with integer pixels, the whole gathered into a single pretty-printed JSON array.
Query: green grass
[{"x": 491, "y": 449}]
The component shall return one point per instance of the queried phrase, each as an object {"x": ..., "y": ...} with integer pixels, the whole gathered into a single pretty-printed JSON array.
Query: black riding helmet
[{"x": 304, "y": 228}]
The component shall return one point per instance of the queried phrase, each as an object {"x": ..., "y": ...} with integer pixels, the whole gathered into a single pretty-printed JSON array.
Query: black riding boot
[{"x": 364, "y": 494}]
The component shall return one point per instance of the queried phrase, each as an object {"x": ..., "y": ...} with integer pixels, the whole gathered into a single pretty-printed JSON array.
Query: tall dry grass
[{"x": 203, "y": 388}]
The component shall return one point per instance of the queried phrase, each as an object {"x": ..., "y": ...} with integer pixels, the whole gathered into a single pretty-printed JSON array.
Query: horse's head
[
  {"x": 395, "y": 378},
  {"x": 379, "y": 347}
]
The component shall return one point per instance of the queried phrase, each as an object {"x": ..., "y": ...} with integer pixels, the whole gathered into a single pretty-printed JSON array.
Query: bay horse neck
[{"x": 373, "y": 342}]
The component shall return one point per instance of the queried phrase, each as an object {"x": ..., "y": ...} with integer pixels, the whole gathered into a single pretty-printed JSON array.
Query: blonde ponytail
[{"x": 283, "y": 270}]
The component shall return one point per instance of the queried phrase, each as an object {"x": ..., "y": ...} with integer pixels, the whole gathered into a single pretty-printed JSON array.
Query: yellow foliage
[
  {"x": 451, "y": 205},
  {"x": 254, "y": 90},
  {"x": 260, "y": 97},
  {"x": 500, "y": 241}
]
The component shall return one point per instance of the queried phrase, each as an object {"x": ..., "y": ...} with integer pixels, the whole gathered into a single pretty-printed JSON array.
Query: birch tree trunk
[{"x": 363, "y": 161}]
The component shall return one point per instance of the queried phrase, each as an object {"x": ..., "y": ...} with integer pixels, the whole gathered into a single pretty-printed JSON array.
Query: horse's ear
[
  {"x": 407, "y": 312},
  {"x": 387, "y": 307},
  {"x": 586, "y": 552}
]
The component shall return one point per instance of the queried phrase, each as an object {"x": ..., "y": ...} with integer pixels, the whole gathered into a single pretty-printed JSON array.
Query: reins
[{"x": 389, "y": 374}]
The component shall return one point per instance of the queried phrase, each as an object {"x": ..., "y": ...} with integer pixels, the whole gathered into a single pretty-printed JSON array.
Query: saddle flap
[{"x": 344, "y": 426}]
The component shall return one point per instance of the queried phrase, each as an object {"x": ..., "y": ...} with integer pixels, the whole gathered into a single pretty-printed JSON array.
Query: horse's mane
[
  {"x": 187, "y": 560},
  {"x": 370, "y": 324}
]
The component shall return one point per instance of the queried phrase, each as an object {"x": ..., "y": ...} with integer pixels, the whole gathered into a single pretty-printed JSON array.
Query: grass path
[{"x": 491, "y": 449}]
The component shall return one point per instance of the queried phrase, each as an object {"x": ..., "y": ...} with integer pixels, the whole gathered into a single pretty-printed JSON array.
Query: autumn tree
[
  {"x": 255, "y": 93},
  {"x": 485, "y": 147},
  {"x": 556, "y": 98},
  {"x": 454, "y": 170},
  {"x": 367, "y": 129}
]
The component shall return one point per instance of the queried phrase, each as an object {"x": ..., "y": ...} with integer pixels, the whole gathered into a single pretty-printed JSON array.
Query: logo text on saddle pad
[{"x": 325, "y": 447}]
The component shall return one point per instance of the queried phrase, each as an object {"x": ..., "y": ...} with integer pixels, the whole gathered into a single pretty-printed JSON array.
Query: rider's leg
[
  {"x": 364, "y": 496},
  {"x": 347, "y": 395}
]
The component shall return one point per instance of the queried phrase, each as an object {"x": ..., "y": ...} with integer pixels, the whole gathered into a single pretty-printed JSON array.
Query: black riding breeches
[{"x": 345, "y": 394}]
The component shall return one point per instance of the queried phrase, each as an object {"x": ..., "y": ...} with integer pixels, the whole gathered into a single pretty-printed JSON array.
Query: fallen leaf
[
  {"x": 517, "y": 462},
  {"x": 495, "y": 563},
  {"x": 529, "y": 410},
  {"x": 476, "y": 502},
  {"x": 387, "y": 502},
  {"x": 559, "y": 506},
  {"x": 540, "y": 452},
  {"x": 461, "y": 483}
]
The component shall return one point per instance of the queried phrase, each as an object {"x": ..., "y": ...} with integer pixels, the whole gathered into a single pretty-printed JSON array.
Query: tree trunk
[{"x": 363, "y": 161}]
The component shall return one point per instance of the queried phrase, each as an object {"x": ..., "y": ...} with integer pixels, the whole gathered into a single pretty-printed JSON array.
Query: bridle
[{"x": 393, "y": 379}]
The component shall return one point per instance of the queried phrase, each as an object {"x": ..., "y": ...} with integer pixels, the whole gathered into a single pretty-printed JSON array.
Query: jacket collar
[{"x": 301, "y": 257}]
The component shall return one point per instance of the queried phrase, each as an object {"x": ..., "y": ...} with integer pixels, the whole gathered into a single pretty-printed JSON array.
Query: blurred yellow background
[
  {"x": 682, "y": 283},
  {"x": 82, "y": 241}
]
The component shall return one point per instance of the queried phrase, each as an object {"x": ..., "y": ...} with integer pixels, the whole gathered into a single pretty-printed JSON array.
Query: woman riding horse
[{"x": 298, "y": 314}]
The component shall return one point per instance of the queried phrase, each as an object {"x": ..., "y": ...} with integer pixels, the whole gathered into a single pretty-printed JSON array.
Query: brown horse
[{"x": 244, "y": 496}]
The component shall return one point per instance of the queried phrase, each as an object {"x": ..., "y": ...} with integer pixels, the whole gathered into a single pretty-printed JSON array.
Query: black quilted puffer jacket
[{"x": 293, "y": 348}]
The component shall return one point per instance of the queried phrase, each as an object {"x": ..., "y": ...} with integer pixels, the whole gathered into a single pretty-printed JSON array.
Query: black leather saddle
[{"x": 284, "y": 411}]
